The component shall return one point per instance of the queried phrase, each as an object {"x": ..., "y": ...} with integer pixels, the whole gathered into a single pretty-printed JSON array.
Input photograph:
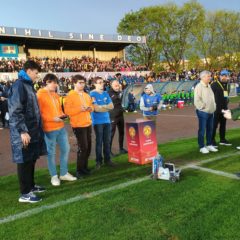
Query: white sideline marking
[
  {"x": 216, "y": 172},
  {"x": 201, "y": 162},
  {"x": 81, "y": 197}
]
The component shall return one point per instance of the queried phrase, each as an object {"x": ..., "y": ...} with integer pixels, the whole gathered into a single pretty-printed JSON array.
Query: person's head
[
  {"x": 116, "y": 86},
  {"x": 224, "y": 76},
  {"x": 51, "y": 82},
  {"x": 79, "y": 82},
  {"x": 118, "y": 76},
  {"x": 205, "y": 76},
  {"x": 149, "y": 89},
  {"x": 32, "y": 69},
  {"x": 98, "y": 83}
]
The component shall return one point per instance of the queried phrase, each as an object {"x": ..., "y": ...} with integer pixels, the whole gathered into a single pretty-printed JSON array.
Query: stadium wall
[{"x": 102, "y": 55}]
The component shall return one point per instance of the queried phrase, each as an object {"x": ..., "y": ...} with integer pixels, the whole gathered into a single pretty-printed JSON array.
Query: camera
[{"x": 155, "y": 107}]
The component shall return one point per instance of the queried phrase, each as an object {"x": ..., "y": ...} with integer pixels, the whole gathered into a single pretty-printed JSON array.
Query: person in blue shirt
[
  {"x": 101, "y": 122},
  {"x": 150, "y": 103}
]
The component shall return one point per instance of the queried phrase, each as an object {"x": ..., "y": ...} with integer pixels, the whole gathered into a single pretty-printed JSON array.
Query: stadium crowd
[{"x": 77, "y": 64}]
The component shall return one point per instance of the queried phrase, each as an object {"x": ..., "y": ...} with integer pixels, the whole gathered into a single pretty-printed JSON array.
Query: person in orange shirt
[
  {"x": 78, "y": 106},
  {"x": 54, "y": 131}
]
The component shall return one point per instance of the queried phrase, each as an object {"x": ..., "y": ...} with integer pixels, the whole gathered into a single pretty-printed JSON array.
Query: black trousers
[
  {"x": 26, "y": 176},
  {"x": 3, "y": 113},
  {"x": 118, "y": 123},
  {"x": 219, "y": 119},
  {"x": 83, "y": 136}
]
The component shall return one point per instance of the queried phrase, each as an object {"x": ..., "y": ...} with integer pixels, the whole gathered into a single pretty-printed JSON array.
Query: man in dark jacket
[
  {"x": 221, "y": 91},
  {"x": 131, "y": 102},
  {"x": 25, "y": 130},
  {"x": 116, "y": 115}
]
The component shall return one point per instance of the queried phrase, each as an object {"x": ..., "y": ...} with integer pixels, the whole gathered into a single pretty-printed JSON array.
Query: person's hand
[
  {"x": 227, "y": 114},
  {"x": 57, "y": 119},
  {"x": 89, "y": 109},
  {"x": 25, "y": 139},
  {"x": 83, "y": 109}
]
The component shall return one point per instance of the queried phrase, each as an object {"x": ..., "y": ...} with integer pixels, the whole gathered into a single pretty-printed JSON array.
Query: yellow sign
[
  {"x": 132, "y": 132},
  {"x": 147, "y": 130}
]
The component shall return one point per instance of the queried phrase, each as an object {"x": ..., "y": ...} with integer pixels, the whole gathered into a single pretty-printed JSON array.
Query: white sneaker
[
  {"x": 135, "y": 111},
  {"x": 68, "y": 177},
  {"x": 238, "y": 148},
  {"x": 204, "y": 150},
  {"x": 55, "y": 181},
  {"x": 211, "y": 149}
]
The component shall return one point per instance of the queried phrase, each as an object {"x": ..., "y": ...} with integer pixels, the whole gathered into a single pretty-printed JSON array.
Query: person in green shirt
[
  {"x": 187, "y": 97},
  {"x": 179, "y": 95},
  {"x": 191, "y": 96}
]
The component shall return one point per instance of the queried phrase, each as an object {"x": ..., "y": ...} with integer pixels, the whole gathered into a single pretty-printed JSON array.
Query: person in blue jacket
[
  {"x": 150, "y": 103},
  {"x": 101, "y": 122},
  {"x": 26, "y": 134}
]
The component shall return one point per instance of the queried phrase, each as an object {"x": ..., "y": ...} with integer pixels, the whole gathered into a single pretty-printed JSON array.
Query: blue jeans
[
  {"x": 103, "y": 140},
  {"x": 205, "y": 121},
  {"x": 52, "y": 138}
]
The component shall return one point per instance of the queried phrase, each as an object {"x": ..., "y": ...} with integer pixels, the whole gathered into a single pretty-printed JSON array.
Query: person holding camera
[
  {"x": 150, "y": 103},
  {"x": 54, "y": 131}
]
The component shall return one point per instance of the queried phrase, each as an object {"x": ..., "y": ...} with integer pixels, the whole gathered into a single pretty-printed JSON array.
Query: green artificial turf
[{"x": 200, "y": 206}]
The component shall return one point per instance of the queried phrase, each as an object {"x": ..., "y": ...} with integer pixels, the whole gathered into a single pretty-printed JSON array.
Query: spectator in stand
[{"x": 77, "y": 64}]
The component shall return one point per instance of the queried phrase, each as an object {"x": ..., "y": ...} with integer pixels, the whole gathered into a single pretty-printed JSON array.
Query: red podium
[{"x": 141, "y": 141}]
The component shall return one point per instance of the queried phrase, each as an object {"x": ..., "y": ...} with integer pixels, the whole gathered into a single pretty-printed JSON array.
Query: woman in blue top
[{"x": 150, "y": 103}]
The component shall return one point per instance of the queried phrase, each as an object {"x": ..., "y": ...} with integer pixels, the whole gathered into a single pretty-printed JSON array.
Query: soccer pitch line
[
  {"x": 197, "y": 163},
  {"x": 82, "y": 197},
  {"x": 216, "y": 172}
]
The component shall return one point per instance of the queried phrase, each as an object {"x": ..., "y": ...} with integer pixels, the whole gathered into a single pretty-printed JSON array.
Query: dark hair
[
  {"x": 78, "y": 77},
  {"x": 94, "y": 81},
  {"x": 50, "y": 78},
  {"x": 118, "y": 75},
  {"x": 30, "y": 64}
]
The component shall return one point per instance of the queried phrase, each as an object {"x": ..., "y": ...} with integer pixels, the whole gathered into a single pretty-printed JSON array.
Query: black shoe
[
  {"x": 38, "y": 189},
  {"x": 112, "y": 155},
  {"x": 214, "y": 144},
  {"x": 85, "y": 172},
  {"x": 98, "y": 166},
  {"x": 238, "y": 174},
  {"x": 225, "y": 143},
  {"x": 110, "y": 164},
  {"x": 79, "y": 175},
  {"x": 123, "y": 151}
]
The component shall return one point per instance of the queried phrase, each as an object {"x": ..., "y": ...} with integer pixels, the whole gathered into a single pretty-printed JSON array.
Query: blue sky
[{"x": 90, "y": 16}]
